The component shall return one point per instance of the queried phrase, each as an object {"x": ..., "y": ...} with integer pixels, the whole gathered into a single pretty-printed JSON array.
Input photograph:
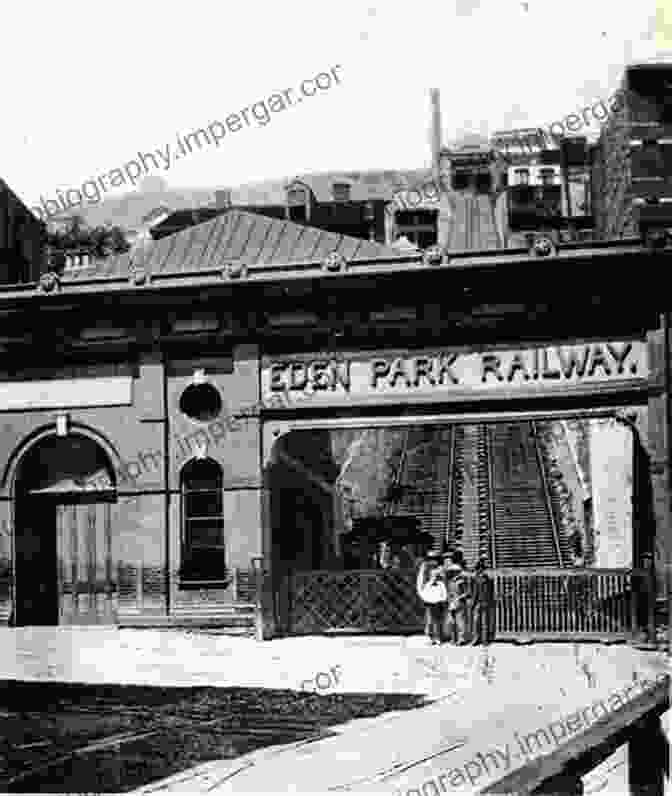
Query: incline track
[{"x": 484, "y": 488}]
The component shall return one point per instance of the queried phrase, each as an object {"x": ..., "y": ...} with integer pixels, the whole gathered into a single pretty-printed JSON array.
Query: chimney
[
  {"x": 223, "y": 198},
  {"x": 436, "y": 134}
]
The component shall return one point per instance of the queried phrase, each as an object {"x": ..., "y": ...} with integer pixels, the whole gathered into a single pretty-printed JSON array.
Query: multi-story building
[
  {"x": 22, "y": 240},
  {"x": 632, "y": 161},
  {"x": 543, "y": 184},
  {"x": 333, "y": 204}
]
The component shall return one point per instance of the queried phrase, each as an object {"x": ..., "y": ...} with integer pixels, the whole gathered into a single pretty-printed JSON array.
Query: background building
[
  {"x": 22, "y": 239},
  {"x": 632, "y": 161}
]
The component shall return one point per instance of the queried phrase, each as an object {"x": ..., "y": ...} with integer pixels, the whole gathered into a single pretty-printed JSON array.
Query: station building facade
[{"x": 189, "y": 429}]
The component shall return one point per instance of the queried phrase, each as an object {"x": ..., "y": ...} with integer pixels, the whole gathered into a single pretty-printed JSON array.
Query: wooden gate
[
  {"x": 356, "y": 601},
  {"x": 543, "y": 603},
  {"x": 87, "y": 591}
]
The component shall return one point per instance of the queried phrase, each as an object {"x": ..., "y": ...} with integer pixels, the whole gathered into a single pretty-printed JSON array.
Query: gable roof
[{"x": 234, "y": 236}]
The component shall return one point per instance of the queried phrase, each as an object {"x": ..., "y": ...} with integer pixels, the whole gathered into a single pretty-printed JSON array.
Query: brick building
[
  {"x": 632, "y": 161},
  {"x": 240, "y": 396}
]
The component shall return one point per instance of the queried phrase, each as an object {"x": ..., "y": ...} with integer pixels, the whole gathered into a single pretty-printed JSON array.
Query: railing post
[
  {"x": 651, "y": 605},
  {"x": 138, "y": 586},
  {"x": 364, "y": 600},
  {"x": 634, "y": 602},
  {"x": 284, "y": 606},
  {"x": 264, "y": 614}
]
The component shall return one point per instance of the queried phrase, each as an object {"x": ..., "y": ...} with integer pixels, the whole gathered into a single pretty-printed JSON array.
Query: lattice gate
[
  {"x": 545, "y": 603},
  {"x": 367, "y": 601}
]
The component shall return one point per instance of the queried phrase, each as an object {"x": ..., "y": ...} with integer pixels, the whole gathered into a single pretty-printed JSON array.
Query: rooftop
[{"x": 234, "y": 236}]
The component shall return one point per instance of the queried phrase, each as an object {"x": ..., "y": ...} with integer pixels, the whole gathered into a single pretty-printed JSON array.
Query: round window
[{"x": 201, "y": 402}]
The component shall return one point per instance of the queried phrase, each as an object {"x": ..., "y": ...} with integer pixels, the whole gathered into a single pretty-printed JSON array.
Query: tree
[{"x": 100, "y": 241}]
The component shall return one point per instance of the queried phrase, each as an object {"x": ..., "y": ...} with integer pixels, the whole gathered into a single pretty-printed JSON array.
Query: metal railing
[{"x": 575, "y": 603}]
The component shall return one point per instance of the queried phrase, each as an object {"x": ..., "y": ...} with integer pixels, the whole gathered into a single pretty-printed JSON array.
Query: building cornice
[{"x": 265, "y": 274}]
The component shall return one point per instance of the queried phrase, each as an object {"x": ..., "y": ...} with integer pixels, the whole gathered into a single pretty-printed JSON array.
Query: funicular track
[
  {"x": 486, "y": 489},
  {"x": 501, "y": 506},
  {"x": 424, "y": 479},
  {"x": 483, "y": 488},
  {"x": 525, "y": 528}
]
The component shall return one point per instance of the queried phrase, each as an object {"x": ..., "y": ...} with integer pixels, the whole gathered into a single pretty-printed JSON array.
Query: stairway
[
  {"x": 425, "y": 480},
  {"x": 525, "y": 533},
  {"x": 232, "y": 611},
  {"x": 232, "y": 620}
]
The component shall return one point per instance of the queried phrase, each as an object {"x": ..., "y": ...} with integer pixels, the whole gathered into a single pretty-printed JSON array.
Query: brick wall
[
  {"x": 612, "y": 192},
  {"x": 148, "y": 491}
]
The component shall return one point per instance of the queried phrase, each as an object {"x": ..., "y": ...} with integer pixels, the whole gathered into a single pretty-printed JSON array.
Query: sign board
[
  {"x": 65, "y": 393},
  {"x": 452, "y": 375}
]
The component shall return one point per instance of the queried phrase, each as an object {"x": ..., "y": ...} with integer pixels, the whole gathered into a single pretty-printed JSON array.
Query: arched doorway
[
  {"x": 63, "y": 491},
  {"x": 301, "y": 478}
]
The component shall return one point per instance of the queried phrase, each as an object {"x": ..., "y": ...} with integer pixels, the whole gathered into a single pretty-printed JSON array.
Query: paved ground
[
  {"x": 484, "y": 700},
  {"x": 60, "y": 737}
]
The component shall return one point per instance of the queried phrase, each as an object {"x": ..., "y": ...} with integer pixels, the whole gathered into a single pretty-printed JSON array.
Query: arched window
[
  {"x": 341, "y": 192},
  {"x": 203, "y": 548}
]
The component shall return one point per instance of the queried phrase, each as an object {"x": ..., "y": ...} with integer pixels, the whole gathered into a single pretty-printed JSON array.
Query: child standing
[{"x": 431, "y": 586}]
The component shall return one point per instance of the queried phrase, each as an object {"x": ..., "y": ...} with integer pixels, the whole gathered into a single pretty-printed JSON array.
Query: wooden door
[
  {"x": 86, "y": 585},
  {"x": 36, "y": 584}
]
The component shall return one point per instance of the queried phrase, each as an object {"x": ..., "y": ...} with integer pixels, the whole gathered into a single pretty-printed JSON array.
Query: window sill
[{"x": 197, "y": 585}]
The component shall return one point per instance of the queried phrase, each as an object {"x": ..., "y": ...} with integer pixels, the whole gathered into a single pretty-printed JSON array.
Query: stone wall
[{"x": 611, "y": 476}]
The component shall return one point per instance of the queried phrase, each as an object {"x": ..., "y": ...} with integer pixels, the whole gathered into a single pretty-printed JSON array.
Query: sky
[{"x": 86, "y": 85}]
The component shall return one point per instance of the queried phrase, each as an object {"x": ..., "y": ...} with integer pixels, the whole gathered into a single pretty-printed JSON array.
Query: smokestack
[
  {"x": 436, "y": 134},
  {"x": 223, "y": 198}
]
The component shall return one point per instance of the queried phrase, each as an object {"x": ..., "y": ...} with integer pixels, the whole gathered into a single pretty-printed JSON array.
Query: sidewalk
[
  {"x": 484, "y": 706},
  {"x": 484, "y": 699}
]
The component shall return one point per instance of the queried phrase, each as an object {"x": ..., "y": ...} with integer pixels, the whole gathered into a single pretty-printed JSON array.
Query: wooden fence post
[
  {"x": 264, "y": 601},
  {"x": 138, "y": 586},
  {"x": 284, "y": 612},
  {"x": 634, "y": 589},
  {"x": 651, "y": 605},
  {"x": 234, "y": 585}
]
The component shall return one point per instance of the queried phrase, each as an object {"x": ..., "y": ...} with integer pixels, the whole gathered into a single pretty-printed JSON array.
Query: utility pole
[
  {"x": 667, "y": 570},
  {"x": 436, "y": 135}
]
